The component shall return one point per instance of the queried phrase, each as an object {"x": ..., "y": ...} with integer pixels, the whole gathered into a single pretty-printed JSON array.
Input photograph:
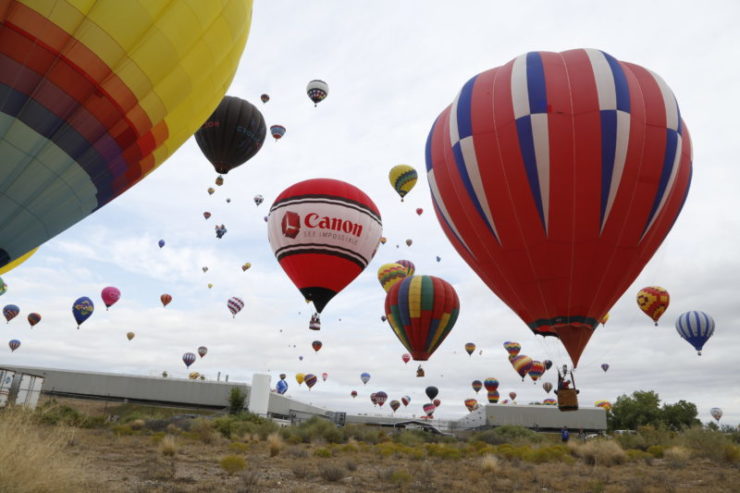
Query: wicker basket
[{"x": 567, "y": 400}]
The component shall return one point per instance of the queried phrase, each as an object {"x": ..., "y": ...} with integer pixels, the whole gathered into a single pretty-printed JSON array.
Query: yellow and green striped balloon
[
  {"x": 403, "y": 178},
  {"x": 390, "y": 274}
]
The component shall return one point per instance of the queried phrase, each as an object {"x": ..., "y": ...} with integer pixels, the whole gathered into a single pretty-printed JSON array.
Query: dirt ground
[{"x": 135, "y": 463}]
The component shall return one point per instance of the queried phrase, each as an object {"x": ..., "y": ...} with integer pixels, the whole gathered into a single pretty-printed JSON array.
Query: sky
[{"x": 392, "y": 67}]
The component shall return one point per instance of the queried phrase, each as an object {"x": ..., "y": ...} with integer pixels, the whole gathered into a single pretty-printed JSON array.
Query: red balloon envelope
[
  {"x": 556, "y": 177},
  {"x": 110, "y": 295},
  {"x": 323, "y": 232}
]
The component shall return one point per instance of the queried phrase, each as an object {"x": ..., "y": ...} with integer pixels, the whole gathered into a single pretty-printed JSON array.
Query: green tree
[
  {"x": 680, "y": 415},
  {"x": 630, "y": 412},
  {"x": 236, "y": 400}
]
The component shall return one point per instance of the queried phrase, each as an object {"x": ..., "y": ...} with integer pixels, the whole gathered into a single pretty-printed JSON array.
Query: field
[{"x": 74, "y": 446}]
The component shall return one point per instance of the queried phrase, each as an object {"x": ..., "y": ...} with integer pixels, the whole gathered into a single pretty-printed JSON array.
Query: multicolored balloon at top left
[{"x": 93, "y": 97}]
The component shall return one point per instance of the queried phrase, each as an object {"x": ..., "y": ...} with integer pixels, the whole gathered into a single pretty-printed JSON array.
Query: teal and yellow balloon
[
  {"x": 95, "y": 95},
  {"x": 403, "y": 178}
]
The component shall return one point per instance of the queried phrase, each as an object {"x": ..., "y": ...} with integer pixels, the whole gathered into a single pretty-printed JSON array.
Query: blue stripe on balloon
[
  {"x": 464, "y": 110},
  {"x": 403, "y": 303},
  {"x": 608, "y": 151},
  {"x": 460, "y": 162},
  {"x": 621, "y": 88},
  {"x": 526, "y": 147},
  {"x": 428, "y": 147},
  {"x": 669, "y": 156},
  {"x": 536, "y": 87}
]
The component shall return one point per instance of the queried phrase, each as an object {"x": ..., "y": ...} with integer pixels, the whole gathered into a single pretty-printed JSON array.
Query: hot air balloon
[
  {"x": 547, "y": 386},
  {"x": 365, "y": 377},
  {"x": 353, "y": 394},
  {"x": 437, "y": 403},
  {"x": 696, "y": 327},
  {"x": 512, "y": 395},
  {"x": 95, "y": 100},
  {"x": 33, "y": 318},
  {"x": 372, "y": 398},
  {"x": 604, "y": 366},
  {"x": 14, "y": 344},
  {"x": 82, "y": 308},
  {"x": 323, "y": 232},
  {"x": 10, "y": 312},
  {"x": 188, "y": 359},
  {"x": 405, "y": 400},
  {"x": 110, "y": 296},
  {"x": 310, "y": 380},
  {"x": 653, "y": 301},
  {"x": 317, "y": 91},
  {"x": 130, "y": 335},
  {"x": 202, "y": 351},
  {"x": 281, "y": 387},
  {"x": 422, "y": 310},
  {"x": 383, "y": 318},
  {"x": 409, "y": 242},
  {"x": 550, "y": 402},
  {"x": 316, "y": 345},
  {"x": 471, "y": 404},
  {"x": 470, "y": 348},
  {"x": 265, "y": 98},
  {"x": 246, "y": 266},
  {"x": 206, "y": 215},
  {"x": 429, "y": 409},
  {"x": 409, "y": 265},
  {"x": 161, "y": 243},
  {"x": 258, "y": 199},
  {"x": 548, "y": 364},
  {"x": 211, "y": 190},
  {"x": 536, "y": 370},
  {"x": 477, "y": 385},
  {"x": 490, "y": 384},
  {"x": 219, "y": 178},
  {"x": 300, "y": 358},
  {"x": 438, "y": 258},
  {"x": 419, "y": 211},
  {"x": 204, "y": 269},
  {"x": 406, "y": 357},
  {"x": 15, "y": 263},
  {"x": 324, "y": 376},
  {"x": 431, "y": 392},
  {"x": 235, "y": 305},
  {"x": 606, "y": 405},
  {"x": 522, "y": 364},
  {"x": 383, "y": 239},
  {"x": 556, "y": 177},
  {"x": 210, "y": 285},
  {"x": 394, "y": 404},
  {"x": 277, "y": 131},
  {"x": 403, "y": 178},
  {"x": 380, "y": 398},
  {"x": 299, "y": 377},
  {"x": 3, "y": 287},
  {"x": 716, "y": 413},
  {"x": 390, "y": 274},
  {"x": 232, "y": 135},
  {"x": 193, "y": 375},
  {"x": 165, "y": 299},
  {"x": 493, "y": 396},
  {"x": 604, "y": 319},
  {"x": 512, "y": 348}
]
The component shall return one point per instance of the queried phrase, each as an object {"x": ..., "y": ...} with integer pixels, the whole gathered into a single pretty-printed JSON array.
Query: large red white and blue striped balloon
[
  {"x": 696, "y": 327},
  {"x": 556, "y": 177}
]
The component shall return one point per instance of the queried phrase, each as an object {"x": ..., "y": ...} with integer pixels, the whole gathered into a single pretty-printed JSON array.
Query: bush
[
  {"x": 238, "y": 425},
  {"x": 122, "y": 430},
  {"x": 167, "y": 446},
  {"x": 443, "y": 451},
  {"x": 332, "y": 472},
  {"x": 400, "y": 476},
  {"x": 51, "y": 413},
  {"x": 275, "y": 444},
  {"x": 599, "y": 452},
  {"x": 232, "y": 464},
  {"x": 677, "y": 456},
  {"x": 508, "y": 434},
  {"x": 301, "y": 470},
  {"x": 238, "y": 447},
  {"x": 236, "y": 400},
  {"x": 489, "y": 463},
  {"x": 656, "y": 451},
  {"x": 201, "y": 429},
  {"x": 322, "y": 452},
  {"x": 706, "y": 443},
  {"x": 636, "y": 455}
]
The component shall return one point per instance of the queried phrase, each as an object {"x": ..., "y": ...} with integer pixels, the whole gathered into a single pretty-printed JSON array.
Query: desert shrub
[
  {"x": 301, "y": 470},
  {"x": 706, "y": 443},
  {"x": 201, "y": 429},
  {"x": 553, "y": 453},
  {"x": 632, "y": 441},
  {"x": 232, "y": 464},
  {"x": 400, "y": 476},
  {"x": 363, "y": 433},
  {"x": 443, "y": 451},
  {"x": 157, "y": 437},
  {"x": 489, "y": 463},
  {"x": 235, "y": 425},
  {"x": 137, "y": 424},
  {"x": 599, "y": 452},
  {"x": 34, "y": 458},
  {"x": 656, "y": 451},
  {"x": 51, "y": 413},
  {"x": 677, "y": 456},
  {"x": 351, "y": 465},
  {"x": 122, "y": 430},
  {"x": 351, "y": 447},
  {"x": 636, "y": 455},
  {"x": 385, "y": 449},
  {"x": 656, "y": 435},
  {"x": 731, "y": 454},
  {"x": 322, "y": 452},
  {"x": 332, "y": 472},
  {"x": 236, "y": 400},
  {"x": 507, "y": 434},
  {"x": 275, "y": 443},
  {"x": 238, "y": 447},
  {"x": 297, "y": 452},
  {"x": 249, "y": 482},
  {"x": 411, "y": 438},
  {"x": 168, "y": 446}
]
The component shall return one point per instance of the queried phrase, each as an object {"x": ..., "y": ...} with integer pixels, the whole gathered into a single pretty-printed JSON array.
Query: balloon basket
[{"x": 567, "y": 400}]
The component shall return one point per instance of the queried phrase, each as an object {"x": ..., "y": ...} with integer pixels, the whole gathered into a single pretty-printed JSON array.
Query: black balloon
[
  {"x": 232, "y": 134},
  {"x": 432, "y": 392}
]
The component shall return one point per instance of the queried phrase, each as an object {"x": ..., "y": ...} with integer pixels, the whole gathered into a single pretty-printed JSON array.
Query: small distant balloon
[
  {"x": 82, "y": 308},
  {"x": 299, "y": 377},
  {"x": 394, "y": 404},
  {"x": 202, "y": 351},
  {"x": 353, "y": 394},
  {"x": 512, "y": 395},
  {"x": 246, "y": 266},
  {"x": 431, "y": 392},
  {"x": 207, "y": 214},
  {"x": 409, "y": 242},
  {"x": 281, "y": 387},
  {"x": 258, "y": 199},
  {"x": 110, "y": 296},
  {"x": 439, "y": 258},
  {"x": 14, "y": 344},
  {"x": 490, "y": 383},
  {"x": 235, "y": 305},
  {"x": 130, "y": 335},
  {"x": 10, "y": 312},
  {"x": 547, "y": 386},
  {"x": 477, "y": 385},
  {"x": 419, "y": 211},
  {"x": 324, "y": 376},
  {"x": 471, "y": 404},
  {"x": 405, "y": 400},
  {"x": 210, "y": 191},
  {"x": 406, "y": 357},
  {"x": 165, "y": 299},
  {"x": 512, "y": 348},
  {"x": 265, "y": 98},
  {"x": 604, "y": 366},
  {"x": 317, "y": 91},
  {"x": 188, "y": 359},
  {"x": 204, "y": 268},
  {"x": 365, "y": 377},
  {"x": 403, "y": 178},
  {"x": 219, "y": 180},
  {"x": 380, "y": 398},
  {"x": 277, "y": 131},
  {"x": 316, "y": 345},
  {"x": 470, "y": 348},
  {"x": 33, "y": 318},
  {"x": 716, "y": 413},
  {"x": 161, "y": 243},
  {"x": 310, "y": 380}
]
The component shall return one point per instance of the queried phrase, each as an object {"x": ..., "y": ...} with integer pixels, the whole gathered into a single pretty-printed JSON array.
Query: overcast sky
[{"x": 392, "y": 67}]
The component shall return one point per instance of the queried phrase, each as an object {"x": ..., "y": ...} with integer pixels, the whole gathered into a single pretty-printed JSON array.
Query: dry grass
[
  {"x": 35, "y": 458},
  {"x": 599, "y": 452},
  {"x": 489, "y": 463},
  {"x": 275, "y": 443},
  {"x": 233, "y": 464},
  {"x": 677, "y": 456},
  {"x": 168, "y": 446}
]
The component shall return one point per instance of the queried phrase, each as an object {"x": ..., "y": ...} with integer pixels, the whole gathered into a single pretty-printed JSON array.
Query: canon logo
[
  {"x": 313, "y": 220},
  {"x": 212, "y": 123}
]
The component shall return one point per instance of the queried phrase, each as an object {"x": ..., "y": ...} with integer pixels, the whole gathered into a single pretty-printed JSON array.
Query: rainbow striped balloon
[
  {"x": 512, "y": 348},
  {"x": 390, "y": 274},
  {"x": 95, "y": 95}
]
